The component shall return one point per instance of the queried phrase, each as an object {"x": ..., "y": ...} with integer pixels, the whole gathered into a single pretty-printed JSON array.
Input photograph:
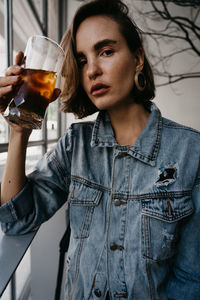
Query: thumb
[{"x": 55, "y": 95}]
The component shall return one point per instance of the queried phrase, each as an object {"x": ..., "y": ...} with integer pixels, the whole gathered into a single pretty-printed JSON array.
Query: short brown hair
[{"x": 74, "y": 99}]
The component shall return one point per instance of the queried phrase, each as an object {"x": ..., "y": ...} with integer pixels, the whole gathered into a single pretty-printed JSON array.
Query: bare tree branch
[
  {"x": 165, "y": 14},
  {"x": 175, "y": 78},
  {"x": 196, "y": 16},
  {"x": 176, "y": 36}
]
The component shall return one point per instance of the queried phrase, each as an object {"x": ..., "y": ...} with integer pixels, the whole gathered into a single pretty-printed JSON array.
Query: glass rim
[{"x": 49, "y": 39}]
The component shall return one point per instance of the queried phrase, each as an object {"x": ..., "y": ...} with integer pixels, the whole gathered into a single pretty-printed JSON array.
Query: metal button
[
  {"x": 117, "y": 202},
  {"x": 97, "y": 293},
  {"x": 115, "y": 247}
]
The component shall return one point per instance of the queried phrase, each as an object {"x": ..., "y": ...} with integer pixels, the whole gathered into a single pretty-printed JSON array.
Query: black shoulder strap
[{"x": 64, "y": 245}]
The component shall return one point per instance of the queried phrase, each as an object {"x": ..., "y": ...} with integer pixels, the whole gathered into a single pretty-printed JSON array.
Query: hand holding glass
[{"x": 43, "y": 60}]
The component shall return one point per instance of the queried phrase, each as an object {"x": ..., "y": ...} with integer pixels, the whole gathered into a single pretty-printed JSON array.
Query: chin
[{"x": 104, "y": 103}]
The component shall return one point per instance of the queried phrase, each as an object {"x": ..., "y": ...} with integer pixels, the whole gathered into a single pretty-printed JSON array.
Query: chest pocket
[
  {"x": 161, "y": 222},
  {"x": 82, "y": 202}
]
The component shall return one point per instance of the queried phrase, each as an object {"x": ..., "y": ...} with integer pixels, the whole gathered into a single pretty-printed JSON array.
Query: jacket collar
[{"x": 145, "y": 148}]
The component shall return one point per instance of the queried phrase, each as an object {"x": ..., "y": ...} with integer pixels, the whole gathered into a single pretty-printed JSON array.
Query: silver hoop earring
[{"x": 140, "y": 81}]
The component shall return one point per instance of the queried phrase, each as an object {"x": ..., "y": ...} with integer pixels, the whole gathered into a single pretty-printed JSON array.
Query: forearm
[{"x": 14, "y": 173}]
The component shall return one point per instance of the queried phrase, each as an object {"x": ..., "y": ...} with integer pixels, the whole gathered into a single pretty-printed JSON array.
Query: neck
[{"x": 128, "y": 122}]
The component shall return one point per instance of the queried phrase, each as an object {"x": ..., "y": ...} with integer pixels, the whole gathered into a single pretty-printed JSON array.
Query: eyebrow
[
  {"x": 99, "y": 45},
  {"x": 103, "y": 43}
]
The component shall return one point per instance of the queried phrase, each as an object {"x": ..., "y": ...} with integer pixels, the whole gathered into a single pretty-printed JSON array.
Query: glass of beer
[{"x": 43, "y": 59}]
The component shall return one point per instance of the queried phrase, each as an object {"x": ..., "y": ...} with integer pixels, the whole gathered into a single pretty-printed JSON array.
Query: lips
[{"x": 99, "y": 89}]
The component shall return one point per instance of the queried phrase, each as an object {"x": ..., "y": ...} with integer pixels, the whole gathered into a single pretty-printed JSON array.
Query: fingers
[
  {"x": 55, "y": 95},
  {"x": 7, "y": 84},
  {"x": 16, "y": 69},
  {"x": 9, "y": 80},
  {"x": 8, "y": 87},
  {"x": 13, "y": 70},
  {"x": 5, "y": 90},
  {"x": 19, "y": 58}
]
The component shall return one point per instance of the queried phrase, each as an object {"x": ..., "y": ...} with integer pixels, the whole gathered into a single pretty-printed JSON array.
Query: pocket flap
[
  {"x": 81, "y": 194},
  {"x": 169, "y": 209}
]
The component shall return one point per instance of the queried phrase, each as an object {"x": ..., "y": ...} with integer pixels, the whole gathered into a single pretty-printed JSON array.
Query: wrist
[{"x": 22, "y": 134}]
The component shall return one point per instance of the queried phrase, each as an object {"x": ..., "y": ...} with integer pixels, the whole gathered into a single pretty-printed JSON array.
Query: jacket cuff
[{"x": 17, "y": 207}]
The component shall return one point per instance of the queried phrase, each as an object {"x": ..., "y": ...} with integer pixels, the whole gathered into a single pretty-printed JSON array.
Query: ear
[{"x": 139, "y": 56}]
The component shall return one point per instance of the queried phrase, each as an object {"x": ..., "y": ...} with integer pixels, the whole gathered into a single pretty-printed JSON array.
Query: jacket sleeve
[
  {"x": 184, "y": 283},
  {"x": 45, "y": 191}
]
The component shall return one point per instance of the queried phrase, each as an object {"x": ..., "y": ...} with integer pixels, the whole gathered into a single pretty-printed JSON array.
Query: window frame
[
  {"x": 43, "y": 24},
  {"x": 44, "y": 142}
]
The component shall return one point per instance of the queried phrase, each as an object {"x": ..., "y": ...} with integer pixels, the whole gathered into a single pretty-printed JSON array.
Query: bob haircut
[{"x": 73, "y": 98}]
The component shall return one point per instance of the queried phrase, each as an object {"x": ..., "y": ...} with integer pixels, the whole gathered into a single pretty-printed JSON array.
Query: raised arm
[{"x": 14, "y": 173}]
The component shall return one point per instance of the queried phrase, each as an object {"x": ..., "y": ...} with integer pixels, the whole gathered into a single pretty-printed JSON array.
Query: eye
[
  {"x": 107, "y": 52},
  {"x": 81, "y": 62}
]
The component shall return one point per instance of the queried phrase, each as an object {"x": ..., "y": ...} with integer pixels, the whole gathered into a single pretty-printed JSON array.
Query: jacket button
[
  {"x": 115, "y": 247},
  {"x": 117, "y": 202},
  {"x": 97, "y": 293}
]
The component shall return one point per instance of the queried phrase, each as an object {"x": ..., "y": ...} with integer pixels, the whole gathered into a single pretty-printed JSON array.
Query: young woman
[{"x": 131, "y": 178}]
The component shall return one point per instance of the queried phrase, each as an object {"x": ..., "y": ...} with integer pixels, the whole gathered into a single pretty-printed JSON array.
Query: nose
[{"x": 94, "y": 69}]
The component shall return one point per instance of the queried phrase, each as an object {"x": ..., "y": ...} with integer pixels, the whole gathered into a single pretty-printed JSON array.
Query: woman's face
[{"x": 107, "y": 66}]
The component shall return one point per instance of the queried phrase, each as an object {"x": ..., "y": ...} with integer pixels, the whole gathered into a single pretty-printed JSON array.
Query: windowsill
[{"x": 12, "y": 250}]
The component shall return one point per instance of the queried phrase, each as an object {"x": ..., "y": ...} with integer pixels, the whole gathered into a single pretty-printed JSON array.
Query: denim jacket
[{"x": 134, "y": 211}]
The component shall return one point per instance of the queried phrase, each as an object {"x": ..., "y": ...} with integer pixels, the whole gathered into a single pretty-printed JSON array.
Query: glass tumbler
[{"x": 43, "y": 59}]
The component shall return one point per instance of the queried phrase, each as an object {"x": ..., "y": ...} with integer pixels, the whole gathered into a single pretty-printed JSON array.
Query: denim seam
[
  {"x": 132, "y": 197},
  {"x": 77, "y": 267},
  {"x": 151, "y": 284},
  {"x": 108, "y": 222},
  {"x": 153, "y": 155},
  {"x": 87, "y": 223},
  {"x": 181, "y": 127},
  {"x": 83, "y": 203},
  {"x": 58, "y": 164},
  {"x": 146, "y": 236},
  {"x": 96, "y": 128},
  {"x": 165, "y": 218},
  {"x": 158, "y": 195},
  {"x": 146, "y": 253},
  {"x": 12, "y": 210},
  {"x": 124, "y": 213},
  {"x": 89, "y": 183},
  {"x": 143, "y": 156},
  {"x": 92, "y": 203},
  {"x": 156, "y": 145}
]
